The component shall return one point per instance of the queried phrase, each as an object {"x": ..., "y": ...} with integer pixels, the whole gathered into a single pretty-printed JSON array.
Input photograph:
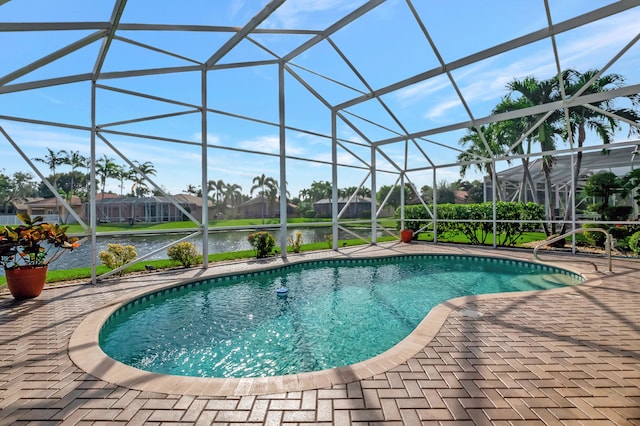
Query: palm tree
[
  {"x": 122, "y": 174},
  {"x": 304, "y": 194},
  {"x": 582, "y": 118},
  {"x": 53, "y": 159},
  {"x": 193, "y": 190},
  {"x": 218, "y": 188},
  {"x": 75, "y": 160},
  {"x": 532, "y": 92},
  {"x": 509, "y": 132},
  {"x": 139, "y": 188},
  {"x": 320, "y": 190},
  {"x": 106, "y": 168},
  {"x": 233, "y": 194},
  {"x": 267, "y": 186},
  {"x": 477, "y": 150}
]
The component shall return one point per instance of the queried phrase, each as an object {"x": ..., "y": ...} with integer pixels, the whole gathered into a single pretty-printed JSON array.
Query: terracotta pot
[
  {"x": 26, "y": 282},
  {"x": 406, "y": 235}
]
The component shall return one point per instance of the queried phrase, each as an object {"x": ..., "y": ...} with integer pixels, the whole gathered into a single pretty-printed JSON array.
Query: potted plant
[
  {"x": 406, "y": 235},
  {"x": 26, "y": 251}
]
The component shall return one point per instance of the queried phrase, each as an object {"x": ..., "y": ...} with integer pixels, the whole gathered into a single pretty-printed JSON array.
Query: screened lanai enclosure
[{"x": 230, "y": 101}]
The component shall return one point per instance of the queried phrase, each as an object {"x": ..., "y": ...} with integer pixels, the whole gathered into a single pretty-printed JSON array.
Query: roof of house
[
  {"x": 618, "y": 160},
  {"x": 53, "y": 201},
  {"x": 22, "y": 204},
  {"x": 179, "y": 198},
  {"x": 344, "y": 200},
  {"x": 255, "y": 200}
]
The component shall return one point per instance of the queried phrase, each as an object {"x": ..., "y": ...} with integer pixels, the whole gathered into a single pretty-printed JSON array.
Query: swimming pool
[{"x": 336, "y": 313}]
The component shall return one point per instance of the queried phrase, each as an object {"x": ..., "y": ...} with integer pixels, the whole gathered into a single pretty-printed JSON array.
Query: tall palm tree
[
  {"x": 304, "y": 194},
  {"x": 530, "y": 92},
  {"x": 320, "y": 190},
  {"x": 122, "y": 174},
  {"x": 233, "y": 195},
  {"x": 478, "y": 150},
  {"x": 218, "y": 187},
  {"x": 267, "y": 185},
  {"x": 582, "y": 118},
  {"x": 53, "y": 159},
  {"x": 75, "y": 160},
  {"x": 194, "y": 190},
  {"x": 509, "y": 132},
  {"x": 106, "y": 168},
  {"x": 140, "y": 188}
]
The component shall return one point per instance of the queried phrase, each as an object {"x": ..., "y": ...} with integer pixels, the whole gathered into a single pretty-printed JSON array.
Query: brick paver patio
[{"x": 556, "y": 357}]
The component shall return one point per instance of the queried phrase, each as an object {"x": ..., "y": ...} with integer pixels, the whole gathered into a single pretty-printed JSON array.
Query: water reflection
[{"x": 219, "y": 242}]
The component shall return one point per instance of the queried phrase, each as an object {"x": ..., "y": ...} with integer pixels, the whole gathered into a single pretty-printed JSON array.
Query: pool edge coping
[{"x": 85, "y": 352}]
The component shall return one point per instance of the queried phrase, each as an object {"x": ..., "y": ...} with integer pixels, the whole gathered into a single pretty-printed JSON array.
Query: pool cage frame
[{"x": 106, "y": 32}]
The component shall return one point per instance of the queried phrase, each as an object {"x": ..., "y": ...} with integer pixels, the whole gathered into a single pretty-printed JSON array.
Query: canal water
[{"x": 219, "y": 242}]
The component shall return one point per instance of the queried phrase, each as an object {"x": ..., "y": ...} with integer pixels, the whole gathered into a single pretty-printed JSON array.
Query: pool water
[{"x": 335, "y": 313}]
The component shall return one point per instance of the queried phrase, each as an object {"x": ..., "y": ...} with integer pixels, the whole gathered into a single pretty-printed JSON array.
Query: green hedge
[{"x": 479, "y": 232}]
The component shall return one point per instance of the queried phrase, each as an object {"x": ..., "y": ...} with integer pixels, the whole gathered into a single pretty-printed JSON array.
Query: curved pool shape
[{"x": 335, "y": 313}]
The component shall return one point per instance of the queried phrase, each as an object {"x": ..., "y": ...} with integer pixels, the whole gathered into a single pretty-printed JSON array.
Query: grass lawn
[{"x": 115, "y": 227}]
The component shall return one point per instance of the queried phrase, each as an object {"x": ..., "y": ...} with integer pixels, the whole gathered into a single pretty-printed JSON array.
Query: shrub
[
  {"x": 618, "y": 212},
  {"x": 596, "y": 239},
  {"x": 263, "y": 242},
  {"x": 117, "y": 255},
  {"x": 295, "y": 242},
  {"x": 185, "y": 252},
  {"x": 634, "y": 243},
  {"x": 478, "y": 226},
  {"x": 309, "y": 214}
]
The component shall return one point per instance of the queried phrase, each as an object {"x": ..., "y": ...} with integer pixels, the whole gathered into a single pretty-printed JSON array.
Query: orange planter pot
[
  {"x": 406, "y": 235},
  {"x": 26, "y": 282}
]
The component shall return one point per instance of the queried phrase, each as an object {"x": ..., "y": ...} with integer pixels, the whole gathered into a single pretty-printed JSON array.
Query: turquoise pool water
[{"x": 336, "y": 312}]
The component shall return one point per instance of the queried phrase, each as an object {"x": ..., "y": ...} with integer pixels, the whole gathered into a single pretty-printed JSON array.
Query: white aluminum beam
[
  {"x": 21, "y": 87},
  {"x": 578, "y": 21},
  {"x": 118, "y": 8},
  {"x": 238, "y": 36},
  {"x": 209, "y": 28},
  {"x": 52, "y": 57},
  {"x": 51, "y": 26},
  {"x": 524, "y": 112},
  {"x": 368, "y": 6}
]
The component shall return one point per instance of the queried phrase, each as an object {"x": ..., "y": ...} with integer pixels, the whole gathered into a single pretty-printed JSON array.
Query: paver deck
[{"x": 554, "y": 357}]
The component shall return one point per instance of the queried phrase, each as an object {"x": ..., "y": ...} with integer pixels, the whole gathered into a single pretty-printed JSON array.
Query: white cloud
[
  {"x": 422, "y": 90},
  {"x": 296, "y": 13},
  {"x": 271, "y": 145},
  {"x": 211, "y": 138}
]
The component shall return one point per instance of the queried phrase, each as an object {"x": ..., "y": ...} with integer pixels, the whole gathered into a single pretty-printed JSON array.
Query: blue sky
[{"x": 385, "y": 45}]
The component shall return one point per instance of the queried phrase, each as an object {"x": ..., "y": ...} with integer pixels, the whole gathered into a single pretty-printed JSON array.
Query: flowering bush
[
  {"x": 295, "y": 242},
  {"x": 34, "y": 243},
  {"x": 263, "y": 242},
  {"x": 117, "y": 255},
  {"x": 185, "y": 252}
]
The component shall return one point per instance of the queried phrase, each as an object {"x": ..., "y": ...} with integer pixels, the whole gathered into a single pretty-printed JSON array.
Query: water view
[{"x": 219, "y": 242}]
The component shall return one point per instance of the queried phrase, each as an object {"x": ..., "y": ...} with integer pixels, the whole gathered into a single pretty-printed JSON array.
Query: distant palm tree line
[
  {"x": 518, "y": 135},
  {"x": 77, "y": 183}
]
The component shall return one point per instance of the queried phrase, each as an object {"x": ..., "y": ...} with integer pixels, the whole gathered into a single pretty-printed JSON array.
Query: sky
[{"x": 384, "y": 46}]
